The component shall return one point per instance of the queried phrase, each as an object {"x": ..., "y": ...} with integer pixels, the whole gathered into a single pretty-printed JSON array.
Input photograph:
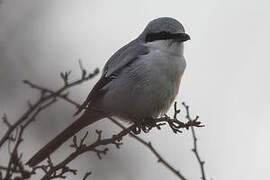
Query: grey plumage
[{"x": 139, "y": 81}]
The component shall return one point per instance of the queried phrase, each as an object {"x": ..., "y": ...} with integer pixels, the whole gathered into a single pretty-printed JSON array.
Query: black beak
[{"x": 181, "y": 37}]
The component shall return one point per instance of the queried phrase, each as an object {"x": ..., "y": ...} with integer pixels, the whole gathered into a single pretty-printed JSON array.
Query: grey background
[{"x": 226, "y": 81}]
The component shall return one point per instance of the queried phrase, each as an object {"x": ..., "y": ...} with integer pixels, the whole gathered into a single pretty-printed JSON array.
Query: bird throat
[{"x": 168, "y": 46}]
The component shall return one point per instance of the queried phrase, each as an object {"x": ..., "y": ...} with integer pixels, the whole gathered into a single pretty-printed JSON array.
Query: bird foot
[{"x": 144, "y": 125}]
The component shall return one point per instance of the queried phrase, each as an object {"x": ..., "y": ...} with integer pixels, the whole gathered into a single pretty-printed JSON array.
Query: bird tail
[{"x": 83, "y": 121}]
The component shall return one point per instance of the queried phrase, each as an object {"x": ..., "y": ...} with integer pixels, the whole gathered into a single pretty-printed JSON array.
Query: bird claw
[{"x": 144, "y": 125}]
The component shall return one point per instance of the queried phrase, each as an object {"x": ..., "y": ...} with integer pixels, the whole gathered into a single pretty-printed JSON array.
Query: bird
[{"x": 139, "y": 81}]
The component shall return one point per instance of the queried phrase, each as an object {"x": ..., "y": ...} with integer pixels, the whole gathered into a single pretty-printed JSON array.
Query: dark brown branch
[
  {"x": 115, "y": 139},
  {"x": 195, "y": 146},
  {"x": 19, "y": 121},
  {"x": 86, "y": 175},
  {"x": 15, "y": 165},
  {"x": 13, "y": 156},
  {"x": 51, "y": 92},
  {"x": 55, "y": 175},
  {"x": 5, "y": 121},
  {"x": 39, "y": 109},
  {"x": 46, "y": 99},
  {"x": 173, "y": 123},
  {"x": 46, "y": 95},
  {"x": 153, "y": 150},
  {"x": 84, "y": 148}
]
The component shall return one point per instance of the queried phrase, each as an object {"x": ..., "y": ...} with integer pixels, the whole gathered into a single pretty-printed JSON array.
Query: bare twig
[
  {"x": 46, "y": 95},
  {"x": 13, "y": 156},
  {"x": 153, "y": 150},
  {"x": 58, "y": 171},
  {"x": 85, "y": 148},
  {"x": 5, "y": 120},
  {"x": 115, "y": 139},
  {"x": 46, "y": 99},
  {"x": 195, "y": 146},
  {"x": 175, "y": 125},
  {"x": 39, "y": 109},
  {"x": 86, "y": 175},
  {"x": 15, "y": 165}
]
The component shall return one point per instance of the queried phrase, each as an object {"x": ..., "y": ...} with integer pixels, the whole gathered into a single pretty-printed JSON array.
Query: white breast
[{"x": 149, "y": 85}]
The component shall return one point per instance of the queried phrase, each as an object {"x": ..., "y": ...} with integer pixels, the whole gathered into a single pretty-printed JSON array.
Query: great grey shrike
[{"x": 139, "y": 81}]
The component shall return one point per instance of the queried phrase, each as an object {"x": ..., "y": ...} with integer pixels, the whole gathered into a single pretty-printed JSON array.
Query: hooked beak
[{"x": 181, "y": 37}]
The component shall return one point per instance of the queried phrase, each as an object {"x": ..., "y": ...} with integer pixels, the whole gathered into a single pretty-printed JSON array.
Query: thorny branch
[{"x": 51, "y": 171}]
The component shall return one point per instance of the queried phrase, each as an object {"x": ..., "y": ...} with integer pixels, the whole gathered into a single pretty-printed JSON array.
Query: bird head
[{"x": 164, "y": 28}]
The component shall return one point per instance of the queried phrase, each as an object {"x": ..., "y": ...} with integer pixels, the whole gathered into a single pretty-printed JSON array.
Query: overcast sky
[{"x": 226, "y": 81}]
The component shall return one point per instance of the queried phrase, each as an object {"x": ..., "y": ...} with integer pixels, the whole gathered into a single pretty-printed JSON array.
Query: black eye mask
[{"x": 166, "y": 35}]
